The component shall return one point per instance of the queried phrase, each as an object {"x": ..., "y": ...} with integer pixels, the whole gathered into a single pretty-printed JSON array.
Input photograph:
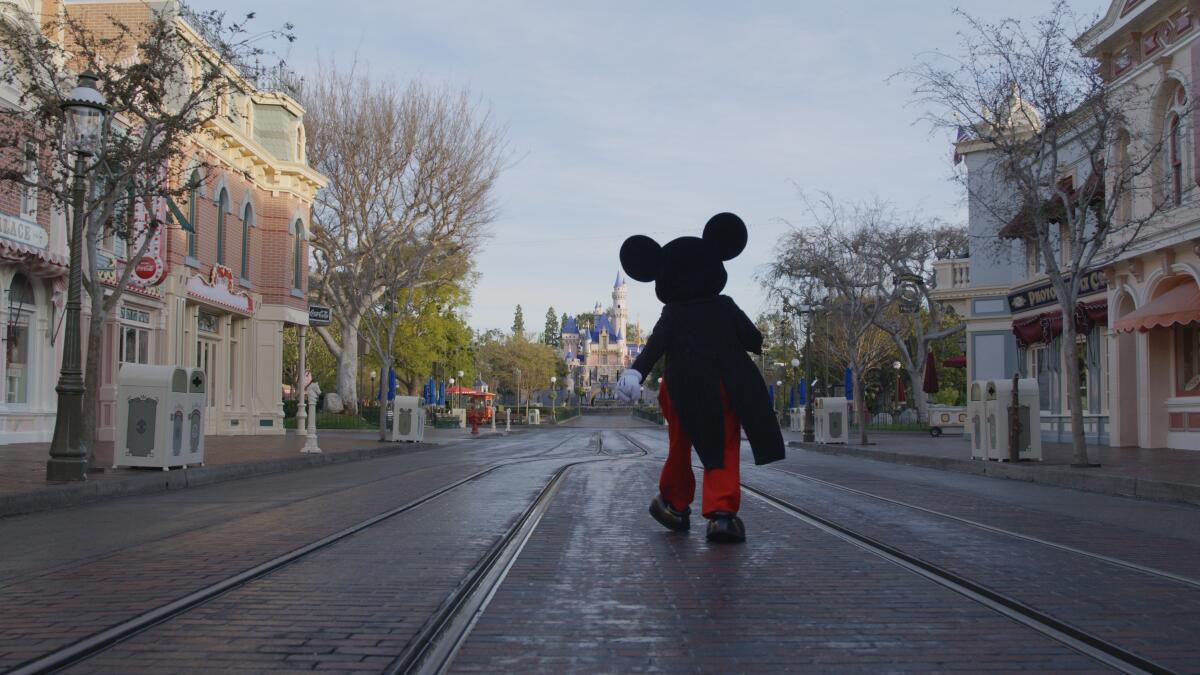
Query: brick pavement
[
  {"x": 601, "y": 587},
  {"x": 1160, "y": 474},
  {"x": 24, "y": 489},
  {"x": 49, "y": 605}
]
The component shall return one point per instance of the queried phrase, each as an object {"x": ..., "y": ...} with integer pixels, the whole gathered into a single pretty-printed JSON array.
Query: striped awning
[{"x": 37, "y": 261}]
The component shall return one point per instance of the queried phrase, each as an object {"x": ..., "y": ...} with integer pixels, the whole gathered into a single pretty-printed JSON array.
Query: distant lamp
[{"x": 795, "y": 363}]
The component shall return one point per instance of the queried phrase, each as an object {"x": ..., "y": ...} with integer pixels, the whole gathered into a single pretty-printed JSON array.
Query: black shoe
[
  {"x": 667, "y": 516},
  {"x": 726, "y": 528}
]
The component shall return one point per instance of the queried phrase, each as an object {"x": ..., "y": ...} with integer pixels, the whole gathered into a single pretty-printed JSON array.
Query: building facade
[
  {"x": 228, "y": 275},
  {"x": 33, "y": 270},
  {"x": 597, "y": 350},
  {"x": 1154, "y": 338},
  {"x": 1139, "y": 312}
]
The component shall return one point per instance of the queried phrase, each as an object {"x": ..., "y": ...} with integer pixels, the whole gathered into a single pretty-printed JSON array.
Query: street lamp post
[
  {"x": 460, "y": 386},
  {"x": 85, "y": 109},
  {"x": 809, "y": 422},
  {"x": 553, "y": 394}
]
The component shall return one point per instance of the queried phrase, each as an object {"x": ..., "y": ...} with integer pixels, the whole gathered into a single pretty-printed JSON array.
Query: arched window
[
  {"x": 297, "y": 256},
  {"x": 247, "y": 222},
  {"x": 16, "y": 353},
  {"x": 193, "y": 211},
  {"x": 222, "y": 207},
  {"x": 1175, "y": 158}
]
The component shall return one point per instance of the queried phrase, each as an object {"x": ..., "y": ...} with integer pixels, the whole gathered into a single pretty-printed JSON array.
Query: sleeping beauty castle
[{"x": 598, "y": 347}]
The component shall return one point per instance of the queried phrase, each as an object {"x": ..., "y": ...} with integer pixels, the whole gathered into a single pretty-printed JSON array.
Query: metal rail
[
  {"x": 438, "y": 640},
  {"x": 1170, "y": 576},
  {"x": 1083, "y": 642},
  {"x": 96, "y": 643}
]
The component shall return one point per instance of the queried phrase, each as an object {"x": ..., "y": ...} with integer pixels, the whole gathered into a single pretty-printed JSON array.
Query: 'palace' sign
[
  {"x": 1044, "y": 293},
  {"x": 319, "y": 315}
]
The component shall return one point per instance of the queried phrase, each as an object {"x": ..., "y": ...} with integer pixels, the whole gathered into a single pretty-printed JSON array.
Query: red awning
[
  {"x": 1021, "y": 225},
  {"x": 1048, "y": 325},
  {"x": 1180, "y": 305},
  {"x": 955, "y": 362}
]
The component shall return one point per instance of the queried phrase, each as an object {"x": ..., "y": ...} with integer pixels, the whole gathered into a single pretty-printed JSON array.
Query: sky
[{"x": 646, "y": 117}]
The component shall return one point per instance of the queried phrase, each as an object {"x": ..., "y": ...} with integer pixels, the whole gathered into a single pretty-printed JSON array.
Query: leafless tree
[
  {"x": 909, "y": 249},
  {"x": 412, "y": 173},
  {"x": 163, "y": 85},
  {"x": 1065, "y": 147},
  {"x": 833, "y": 258}
]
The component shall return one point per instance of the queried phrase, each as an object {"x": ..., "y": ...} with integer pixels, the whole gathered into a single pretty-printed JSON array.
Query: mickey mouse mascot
[{"x": 714, "y": 386}]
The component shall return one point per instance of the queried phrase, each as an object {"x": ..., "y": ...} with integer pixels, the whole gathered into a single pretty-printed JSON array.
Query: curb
[
  {"x": 1075, "y": 479},
  {"x": 86, "y": 492}
]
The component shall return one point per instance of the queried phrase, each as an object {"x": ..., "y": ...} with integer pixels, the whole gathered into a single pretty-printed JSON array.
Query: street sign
[{"x": 319, "y": 315}]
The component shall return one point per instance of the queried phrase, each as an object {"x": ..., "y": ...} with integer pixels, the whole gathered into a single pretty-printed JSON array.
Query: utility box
[
  {"x": 831, "y": 418},
  {"x": 160, "y": 416},
  {"x": 976, "y": 420},
  {"x": 998, "y": 411},
  {"x": 408, "y": 419},
  {"x": 943, "y": 418},
  {"x": 796, "y": 419},
  {"x": 535, "y": 416}
]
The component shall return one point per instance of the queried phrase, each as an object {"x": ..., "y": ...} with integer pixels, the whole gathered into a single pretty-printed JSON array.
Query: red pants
[{"x": 722, "y": 489}]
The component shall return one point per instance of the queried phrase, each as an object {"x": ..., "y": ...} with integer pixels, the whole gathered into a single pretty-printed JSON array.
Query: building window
[
  {"x": 135, "y": 345},
  {"x": 1187, "y": 360},
  {"x": 16, "y": 345},
  {"x": 1175, "y": 156},
  {"x": 193, "y": 199},
  {"x": 29, "y": 194},
  {"x": 1047, "y": 382},
  {"x": 247, "y": 222},
  {"x": 297, "y": 256},
  {"x": 222, "y": 207}
]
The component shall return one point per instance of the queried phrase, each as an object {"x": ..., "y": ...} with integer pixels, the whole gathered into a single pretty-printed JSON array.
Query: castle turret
[{"x": 619, "y": 308}]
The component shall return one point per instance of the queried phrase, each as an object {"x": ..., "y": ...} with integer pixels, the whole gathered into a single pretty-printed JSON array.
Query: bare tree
[
  {"x": 163, "y": 84},
  {"x": 1061, "y": 143},
  {"x": 907, "y": 251},
  {"x": 834, "y": 258},
  {"x": 412, "y": 171}
]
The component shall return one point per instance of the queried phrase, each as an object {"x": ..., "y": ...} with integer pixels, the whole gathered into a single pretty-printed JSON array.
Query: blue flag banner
[
  {"x": 441, "y": 392},
  {"x": 849, "y": 385},
  {"x": 804, "y": 392},
  {"x": 391, "y": 384},
  {"x": 771, "y": 391}
]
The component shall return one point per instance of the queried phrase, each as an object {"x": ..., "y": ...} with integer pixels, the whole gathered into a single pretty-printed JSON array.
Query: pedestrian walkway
[
  {"x": 24, "y": 488},
  {"x": 1157, "y": 473}
]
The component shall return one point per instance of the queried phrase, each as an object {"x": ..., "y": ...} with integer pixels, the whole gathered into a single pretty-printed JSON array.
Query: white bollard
[
  {"x": 508, "y": 420},
  {"x": 310, "y": 442}
]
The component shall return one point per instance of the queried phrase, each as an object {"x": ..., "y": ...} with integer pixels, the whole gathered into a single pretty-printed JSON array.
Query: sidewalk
[
  {"x": 1158, "y": 474},
  {"x": 24, "y": 489}
]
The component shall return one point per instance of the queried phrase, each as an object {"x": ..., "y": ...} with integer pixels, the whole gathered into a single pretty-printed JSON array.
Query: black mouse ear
[
  {"x": 640, "y": 257},
  {"x": 726, "y": 234}
]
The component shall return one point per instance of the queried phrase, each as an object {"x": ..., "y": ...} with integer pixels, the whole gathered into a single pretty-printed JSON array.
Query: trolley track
[
  {"x": 96, "y": 643},
  {"x": 1079, "y": 640}
]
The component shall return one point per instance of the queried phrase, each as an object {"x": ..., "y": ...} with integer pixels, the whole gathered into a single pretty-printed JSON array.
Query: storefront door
[{"x": 206, "y": 359}]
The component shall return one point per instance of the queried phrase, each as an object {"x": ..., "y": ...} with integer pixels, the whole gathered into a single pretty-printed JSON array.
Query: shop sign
[
  {"x": 151, "y": 268},
  {"x": 909, "y": 292},
  {"x": 319, "y": 315},
  {"x": 206, "y": 323},
  {"x": 23, "y": 232},
  {"x": 135, "y": 315},
  {"x": 1044, "y": 294}
]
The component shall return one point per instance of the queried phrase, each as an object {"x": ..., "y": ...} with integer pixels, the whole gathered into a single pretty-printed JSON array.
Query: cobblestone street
[{"x": 377, "y": 564}]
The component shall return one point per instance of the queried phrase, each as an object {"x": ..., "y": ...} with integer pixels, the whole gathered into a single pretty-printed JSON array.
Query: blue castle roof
[
  {"x": 603, "y": 322},
  {"x": 569, "y": 326}
]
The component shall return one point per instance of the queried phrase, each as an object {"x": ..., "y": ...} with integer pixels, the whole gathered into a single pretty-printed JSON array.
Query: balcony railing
[
  {"x": 274, "y": 78},
  {"x": 953, "y": 274}
]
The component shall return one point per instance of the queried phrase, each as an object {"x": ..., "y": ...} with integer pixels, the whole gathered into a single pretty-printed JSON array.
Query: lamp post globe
[{"x": 84, "y": 110}]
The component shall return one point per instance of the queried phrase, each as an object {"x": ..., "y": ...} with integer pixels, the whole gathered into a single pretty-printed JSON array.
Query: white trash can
[
  {"x": 535, "y": 416},
  {"x": 976, "y": 420},
  {"x": 408, "y": 419},
  {"x": 832, "y": 420},
  {"x": 999, "y": 412},
  {"x": 160, "y": 420}
]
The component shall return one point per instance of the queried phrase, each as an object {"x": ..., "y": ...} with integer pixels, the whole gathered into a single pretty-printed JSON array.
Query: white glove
[{"x": 629, "y": 385}]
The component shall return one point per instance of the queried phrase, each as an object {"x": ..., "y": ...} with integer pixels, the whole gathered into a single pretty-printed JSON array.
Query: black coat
[{"x": 705, "y": 342}]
